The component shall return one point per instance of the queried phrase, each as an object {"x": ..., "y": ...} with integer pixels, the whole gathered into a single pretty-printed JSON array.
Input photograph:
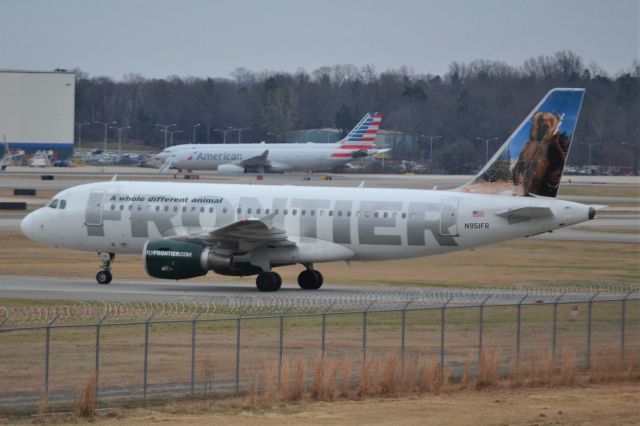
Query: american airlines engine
[{"x": 185, "y": 230}]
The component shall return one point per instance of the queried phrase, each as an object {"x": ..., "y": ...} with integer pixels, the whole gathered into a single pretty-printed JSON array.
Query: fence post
[
  {"x": 589, "y": 330},
  {"x": 364, "y": 331},
  {"x": 518, "y": 326},
  {"x": 98, "y": 325},
  {"x": 442, "y": 310},
  {"x": 146, "y": 354},
  {"x": 193, "y": 353},
  {"x": 481, "y": 328},
  {"x": 324, "y": 327},
  {"x": 402, "y": 336},
  {"x": 238, "y": 352},
  {"x": 46, "y": 355},
  {"x": 281, "y": 349},
  {"x": 554, "y": 332},
  {"x": 623, "y": 324}
]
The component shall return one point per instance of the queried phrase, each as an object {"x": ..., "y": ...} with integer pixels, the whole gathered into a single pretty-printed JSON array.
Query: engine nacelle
[
  {"x": 230, "y": 169},
  {"x": 279, "y": 168},
  {"x": 174, "y": 260}
]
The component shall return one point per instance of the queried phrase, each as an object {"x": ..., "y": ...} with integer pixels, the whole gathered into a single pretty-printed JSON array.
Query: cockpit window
[
  {"x": 54, "y": 204},
  {"x": 63, "y": 204}
]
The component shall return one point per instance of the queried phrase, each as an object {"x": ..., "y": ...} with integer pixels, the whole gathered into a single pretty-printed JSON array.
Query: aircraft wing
[
  {"x": 258, "y": 160},
  {"x": 243, "y": 235}
]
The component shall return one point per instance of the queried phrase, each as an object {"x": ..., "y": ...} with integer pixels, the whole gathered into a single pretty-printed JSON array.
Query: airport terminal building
[{"x": 37, "y": 111}]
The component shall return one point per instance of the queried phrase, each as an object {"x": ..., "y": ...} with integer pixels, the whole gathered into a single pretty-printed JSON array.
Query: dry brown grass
[
  {"x": 390, "y": 376},
  {"x": 85, "y": 405}
]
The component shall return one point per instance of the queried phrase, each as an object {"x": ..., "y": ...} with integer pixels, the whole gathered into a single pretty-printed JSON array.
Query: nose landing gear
[{"x": 104, "y": 276}]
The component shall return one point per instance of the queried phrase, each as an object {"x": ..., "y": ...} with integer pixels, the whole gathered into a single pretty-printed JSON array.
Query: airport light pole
[
  {"x": 224, "y": 133},
  {"x": 80, "y": 126},
  {"x": 195, "y": 126},
  {"x": 106, "y": 128},
  {"x": 119, "y": 130},
  {"x": 165, "y": 128},
  {"x": 635, "y": 147},
  {"x": 591, "y": 145},
  {"x": 486, "y": 142},
  {"x": 171, "y": 133},
  {"x": 240, "y": 129},
  {"x": 431, "y": 139}
]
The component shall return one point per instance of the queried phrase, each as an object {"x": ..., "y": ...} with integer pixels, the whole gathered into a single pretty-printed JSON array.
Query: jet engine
[
  {"x": 177, "y": 260},
  {"x": 230, "y": 169}
]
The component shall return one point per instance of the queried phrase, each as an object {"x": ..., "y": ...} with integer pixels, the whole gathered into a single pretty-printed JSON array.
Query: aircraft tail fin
[
  {"x": 531, "y": 161},
  {"x": 361, "y": 140},
  {"x": 363, "y": 135}
]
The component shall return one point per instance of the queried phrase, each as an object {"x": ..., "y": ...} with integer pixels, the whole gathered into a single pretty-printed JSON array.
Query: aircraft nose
[
  {"x": 162, "y": 155},
  {"x": 27, "y": 225}
]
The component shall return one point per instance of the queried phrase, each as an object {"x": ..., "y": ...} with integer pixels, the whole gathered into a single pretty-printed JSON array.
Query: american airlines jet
[
  {"x": 185, "y": 230},
  {"x": 276, "y": 157}
]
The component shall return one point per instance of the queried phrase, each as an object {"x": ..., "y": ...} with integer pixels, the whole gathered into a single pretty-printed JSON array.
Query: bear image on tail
[{"x": 541, "y": 162}]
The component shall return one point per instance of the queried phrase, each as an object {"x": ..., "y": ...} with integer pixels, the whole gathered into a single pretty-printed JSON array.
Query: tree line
[{"x": 479, "y": 99}]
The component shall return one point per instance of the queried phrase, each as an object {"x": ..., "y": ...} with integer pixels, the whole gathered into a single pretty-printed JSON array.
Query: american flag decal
[{"x": 478, "y": 213}]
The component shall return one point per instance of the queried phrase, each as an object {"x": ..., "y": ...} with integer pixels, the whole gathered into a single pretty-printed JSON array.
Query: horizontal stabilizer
[{"x": 525, "y": 213}]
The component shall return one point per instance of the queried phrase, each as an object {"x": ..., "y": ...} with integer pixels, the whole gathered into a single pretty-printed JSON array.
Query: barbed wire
[{"x": 308, "y": 303}]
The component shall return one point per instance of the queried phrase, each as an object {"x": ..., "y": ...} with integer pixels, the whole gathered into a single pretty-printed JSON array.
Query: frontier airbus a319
[
  {"x": 276, "y": 157},
  {"x": 185, "y": 230}
]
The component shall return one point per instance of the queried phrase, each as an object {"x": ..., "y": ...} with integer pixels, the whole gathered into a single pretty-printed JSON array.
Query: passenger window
[
  {"x": 276, "y": 211},
  {"x": 385, "y": 215},
  {"x": 224, "y": 210},
  {"x": 303, "y": 212},
  {"x": 239, "y": 210},
  {"x": 286, "y": 212},
  {"x": 166, "y": 208},
  {"x": 184, "y": 209},
  {"x": 249, "y": 210},
  {"x": 157, "y": 208},
  {"x": 349, "y": 213},
  {"x": 258, "y": 211},
  {"x": 330, "y": 212},
  {"x": 113, "y": 206},
  {"x": 294, "y": 211},
  {"x": 201, "y": 209},
  {"x": 210, "y": 209},
  {"x": 130, "y": 207},
  {"x": 339, "y": 213},
  {"x": 121, "y": 207},
  {"x": 139, "y": 207},
  {"x": 312, "y": 212},
  {"x": 404, "y": 215},
  {"x": 321, "y": 212},
  {"x": 266, "y": 211},
  {"x": 193, "y": 208},
  {"x": 175, "y": 208}
]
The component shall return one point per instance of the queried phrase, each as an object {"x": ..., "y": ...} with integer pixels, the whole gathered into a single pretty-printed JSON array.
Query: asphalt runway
[{"x": 243, "y": 293}]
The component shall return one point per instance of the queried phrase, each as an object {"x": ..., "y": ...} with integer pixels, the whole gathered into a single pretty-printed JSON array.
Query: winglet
[{"x": 113, "y": 179}]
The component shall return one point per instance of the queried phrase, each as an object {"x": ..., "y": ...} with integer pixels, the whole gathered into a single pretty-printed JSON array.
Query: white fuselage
[
  {"x": 281, "y": 156},
  {"x": 364, "y": 223}
]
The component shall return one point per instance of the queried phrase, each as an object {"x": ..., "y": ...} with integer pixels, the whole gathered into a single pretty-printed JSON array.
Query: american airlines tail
[
  {"x": 532, "y": 159},
  {"x": 361, "y": 139}
]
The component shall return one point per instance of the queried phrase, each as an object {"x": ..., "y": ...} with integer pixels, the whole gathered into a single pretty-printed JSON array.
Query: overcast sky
[{"x": 158, "y": 38}]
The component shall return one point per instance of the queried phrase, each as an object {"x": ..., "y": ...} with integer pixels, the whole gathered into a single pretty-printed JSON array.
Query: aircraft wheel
[
  {"x": 310, "y": 279},
  {"x": 268, "y": 281},
  {"x": 104, "y": 277}
]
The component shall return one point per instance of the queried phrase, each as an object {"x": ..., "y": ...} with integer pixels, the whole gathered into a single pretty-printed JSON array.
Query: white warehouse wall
[{"x": 37, "y": 109}]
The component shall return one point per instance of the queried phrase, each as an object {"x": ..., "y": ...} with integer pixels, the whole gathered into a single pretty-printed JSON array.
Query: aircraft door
[
  {"x": 93, "y": 216},
  {"x": 449, "y": 217}
]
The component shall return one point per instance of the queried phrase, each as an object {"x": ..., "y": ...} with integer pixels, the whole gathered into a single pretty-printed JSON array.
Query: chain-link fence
[{"x": 143, "y": 350}]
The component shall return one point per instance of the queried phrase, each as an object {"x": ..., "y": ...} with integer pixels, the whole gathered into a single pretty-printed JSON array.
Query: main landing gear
[
  {"x": 104, "y": 276},
  {"x": 268, "y": 281},
  {"x": 310, "y": 279}
]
